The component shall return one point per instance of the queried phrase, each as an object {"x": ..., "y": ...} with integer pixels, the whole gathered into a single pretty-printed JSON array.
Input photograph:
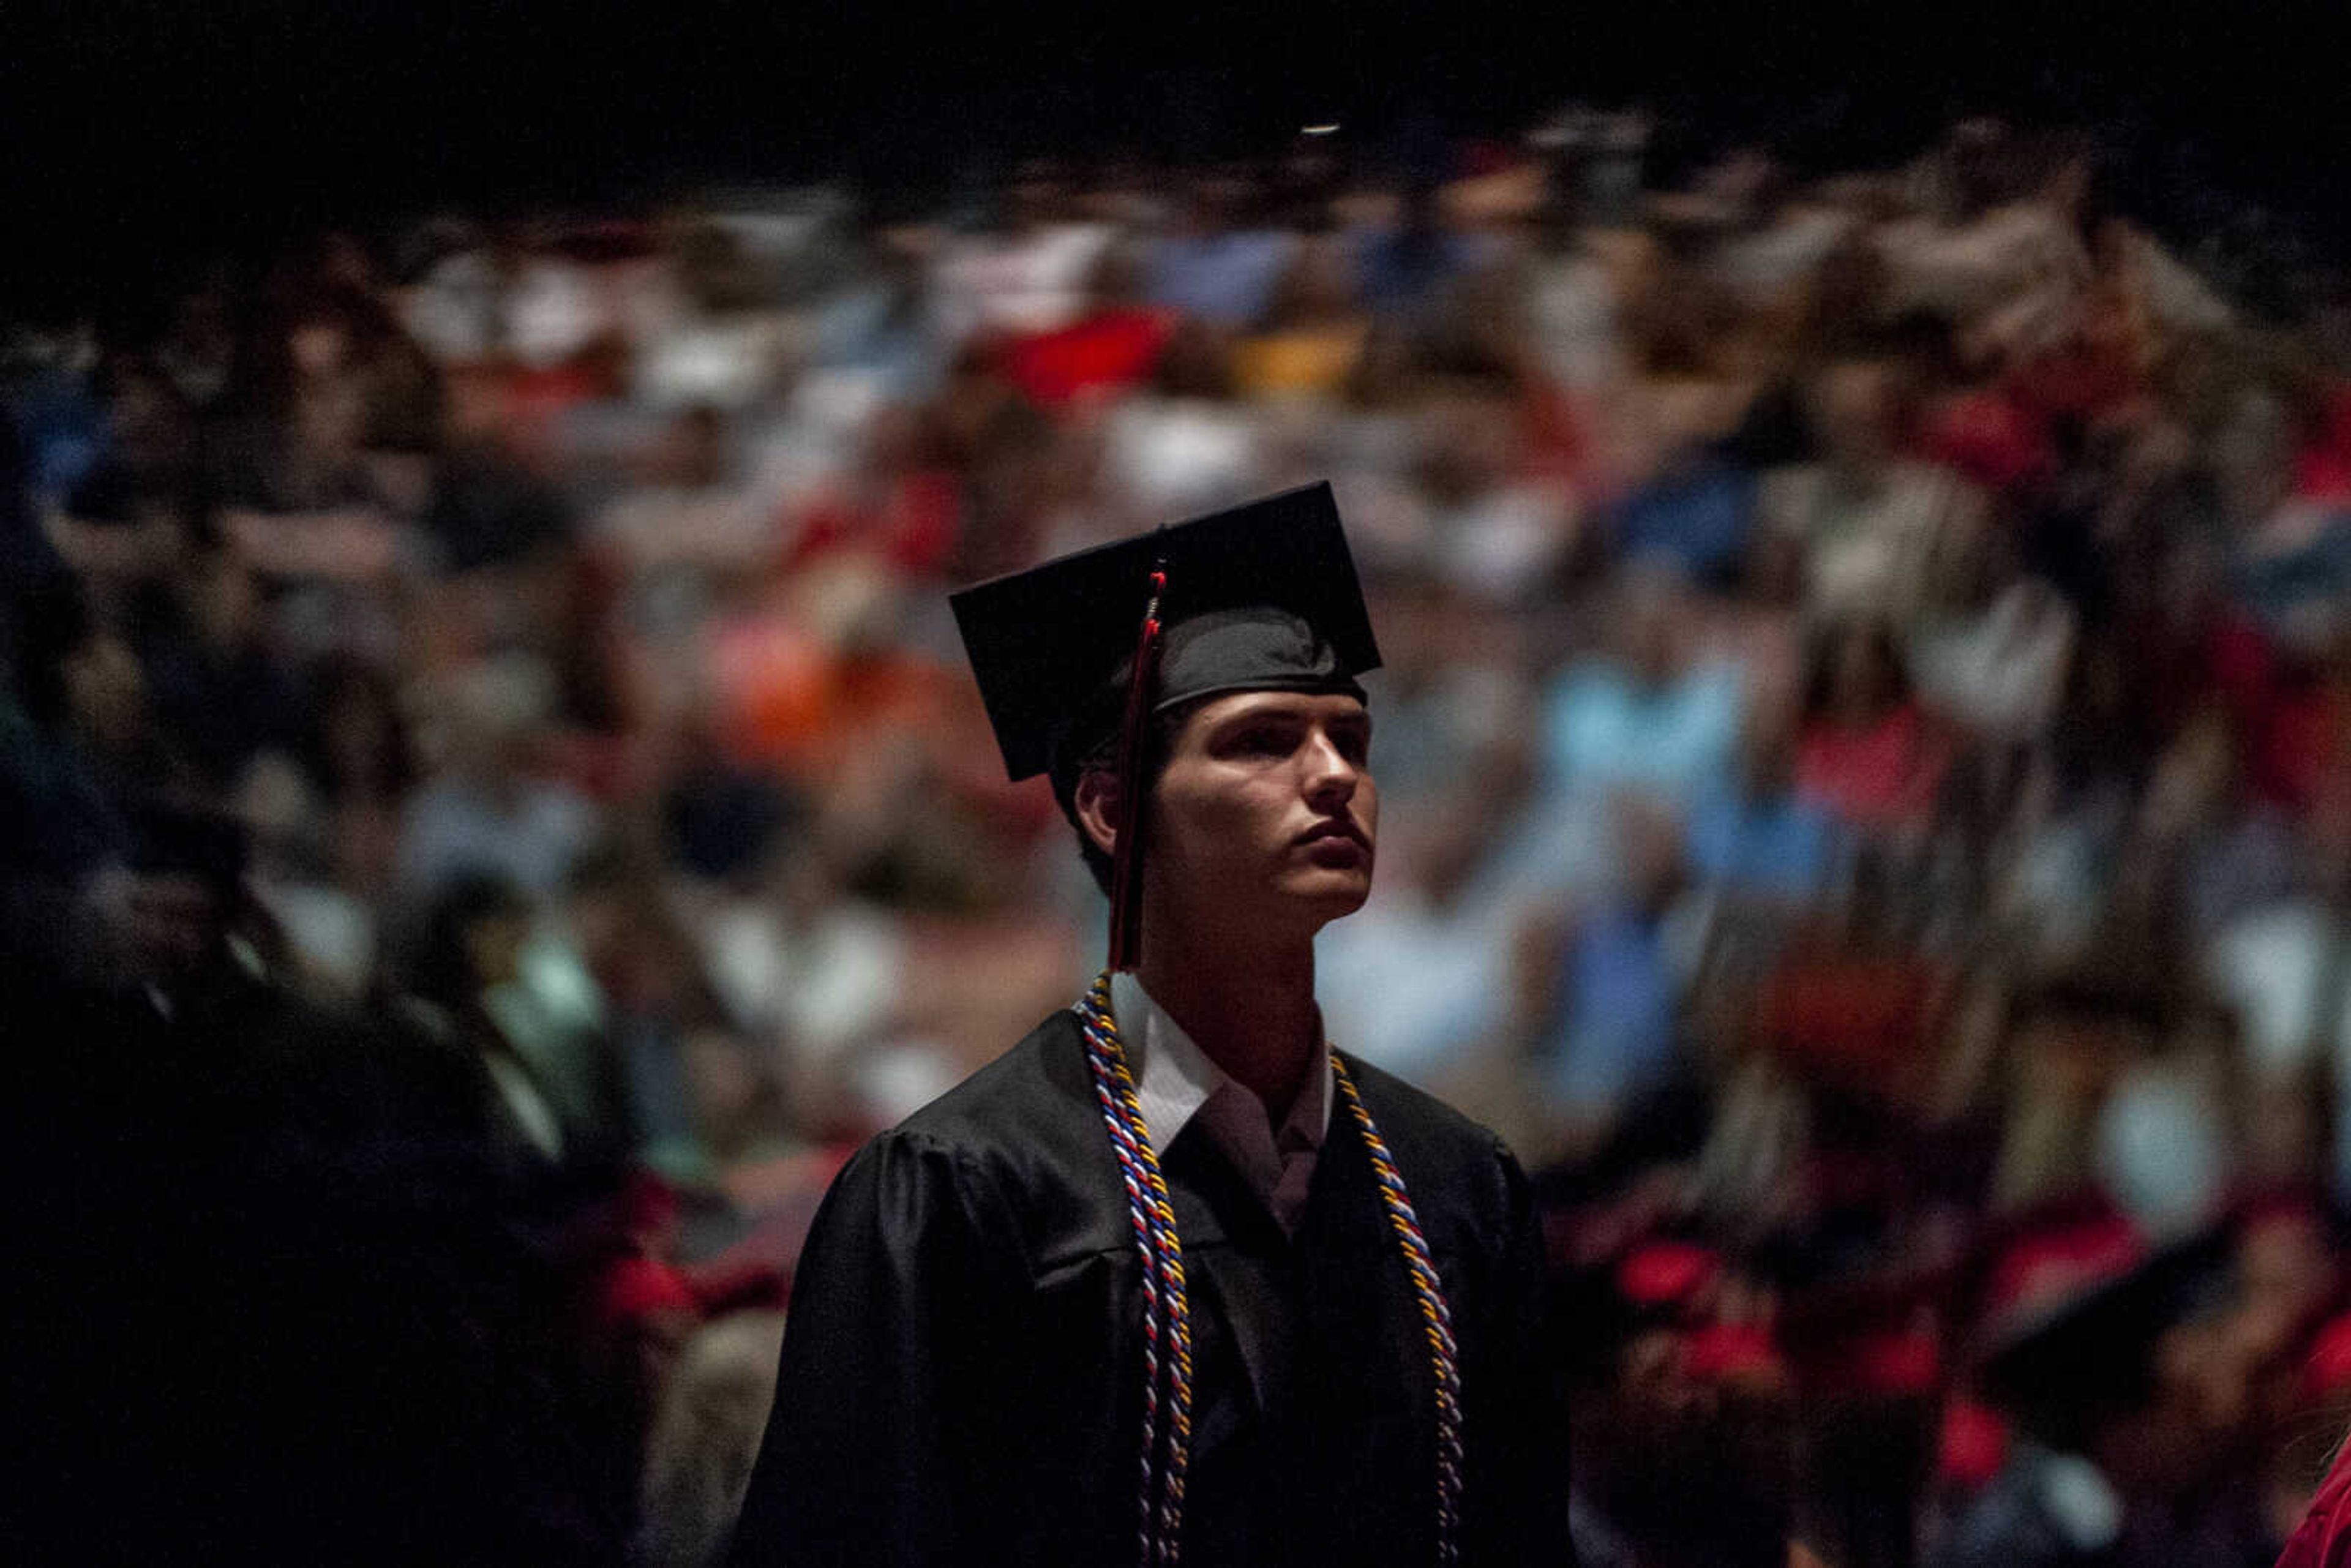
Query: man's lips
[{"x": 1334, "y": 829}]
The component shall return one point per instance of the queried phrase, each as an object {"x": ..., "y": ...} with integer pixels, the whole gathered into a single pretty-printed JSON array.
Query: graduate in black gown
[{"x": 1173, "y": 1280}]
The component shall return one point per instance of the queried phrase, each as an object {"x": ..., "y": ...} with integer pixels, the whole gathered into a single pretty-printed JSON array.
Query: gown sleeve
[
  {"x": 1514, "y": 1396},
  {"x": 874, "y": 1445}
]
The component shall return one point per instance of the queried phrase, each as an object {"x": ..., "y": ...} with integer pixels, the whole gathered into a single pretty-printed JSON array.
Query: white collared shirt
[{"x": 1174, "y": 1081}]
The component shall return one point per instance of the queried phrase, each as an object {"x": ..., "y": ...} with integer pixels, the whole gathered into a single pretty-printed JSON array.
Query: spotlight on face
[{"x": 1267, "y": 810}]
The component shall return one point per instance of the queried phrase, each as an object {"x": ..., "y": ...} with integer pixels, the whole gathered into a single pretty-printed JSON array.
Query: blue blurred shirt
[
  {"x": 2281, "y": 585},
  {"x": 1396, "y": 271},
  {"x": 1780, "y": 845},
  {"x": 1616, "y": 1036},
  {"x": 1226, "y": 278},
  {"x": 1697, "y": 521},
  {"x": 1604, "y": 730},
  {"x": 1411, "y": 987},
  {"x": 63, "y": 425},
  {"x": 870, "y": 331}
]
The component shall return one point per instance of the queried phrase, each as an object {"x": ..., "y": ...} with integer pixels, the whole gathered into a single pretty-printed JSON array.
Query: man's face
[{"x": 1267, "y": 811}]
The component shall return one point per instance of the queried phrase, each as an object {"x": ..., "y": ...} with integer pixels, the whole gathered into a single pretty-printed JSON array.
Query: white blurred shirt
[
  {"x": 1174, "y": 456},
  {"x": 2000, "y": 671},
  {"x": 2271, "y": 965},
  {"x": 1867, "y": 552},
  {"x": 1034, "y": 282}
]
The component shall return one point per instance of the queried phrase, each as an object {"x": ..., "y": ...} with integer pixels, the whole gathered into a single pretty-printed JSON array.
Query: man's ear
[{"x": 1096, "y": 799}]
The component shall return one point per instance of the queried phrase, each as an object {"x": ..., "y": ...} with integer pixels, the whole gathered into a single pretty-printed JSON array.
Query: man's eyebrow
[{"x": 1264, "y": 713}]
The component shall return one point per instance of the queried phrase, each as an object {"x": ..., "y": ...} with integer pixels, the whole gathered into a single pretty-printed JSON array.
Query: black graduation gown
[{"x": 961, "y": 1374}]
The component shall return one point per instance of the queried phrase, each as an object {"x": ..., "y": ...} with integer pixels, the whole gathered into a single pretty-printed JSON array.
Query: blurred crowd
[{"x": 496, "y": 810}]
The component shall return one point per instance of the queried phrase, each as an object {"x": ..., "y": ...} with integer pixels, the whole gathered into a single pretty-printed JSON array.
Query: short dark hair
[{"x": 1076, "y": 761}]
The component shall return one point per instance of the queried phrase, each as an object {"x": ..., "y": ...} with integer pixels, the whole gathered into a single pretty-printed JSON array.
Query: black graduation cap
[
  {"x": 2062, "y": 1365},
  {"x": 1263, "y": 597},
  {"x": 1045, "y": 643}
]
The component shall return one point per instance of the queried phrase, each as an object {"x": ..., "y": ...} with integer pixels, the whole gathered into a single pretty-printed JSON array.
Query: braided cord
[
  {"x": 1153, "y": 1215},
  {"x": 1436, "y": 1319},
  {"x": 1160, "y": 1504}
]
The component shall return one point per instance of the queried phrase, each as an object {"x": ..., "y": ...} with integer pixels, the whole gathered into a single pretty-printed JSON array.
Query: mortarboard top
[
  {"x": 1047, "y": 644},
  {"x": 2090, "y": 1338}
]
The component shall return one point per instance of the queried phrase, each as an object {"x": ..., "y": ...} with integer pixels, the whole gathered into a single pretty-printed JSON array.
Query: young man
[{"x": 1173, "y": 1280}]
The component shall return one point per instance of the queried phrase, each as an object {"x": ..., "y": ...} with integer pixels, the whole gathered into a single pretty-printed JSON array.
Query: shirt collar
[{"x": 1175, "y": 1078}]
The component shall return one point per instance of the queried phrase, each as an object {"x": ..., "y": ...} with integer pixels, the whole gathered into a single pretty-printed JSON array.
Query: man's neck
[{"x": 1247, "y": 1006}]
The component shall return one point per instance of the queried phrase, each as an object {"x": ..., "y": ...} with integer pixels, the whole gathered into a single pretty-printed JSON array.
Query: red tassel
[{"x": 1126, "y": 857}]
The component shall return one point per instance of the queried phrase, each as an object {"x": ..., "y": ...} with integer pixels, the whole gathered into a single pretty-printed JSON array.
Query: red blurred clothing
[
  {"x": 1734, "y": 1353},
  {"x": 1106, "y": 352},
  {"x": 635, "y": 1288},
  {"x": 2326, "y": 1370},
  {"x": 2292, "y": 757},
  {"x": 1988, "y": 438},
  {"x": 1881, "y": 776},
  {"x": 914, "y": 527},
  {"x": 1667, "y": 1274},
  {"x": 1855, "y": 1019},
  {"x": 1894, "y": 1364},
  {"x": 1554, "y": 429},
  {"x": 2239, "y": 668},
  {"x": 2062, "y": 1261},
  {"x": 790, "y": 701},
  {"x": 1973, "y": 1445},
  {"x": 2081, "y": 380},
  {"x": 2220, "y": 661},
  {"x": 2321, "y": 469},
  {"x": 2324, "y": 1540},
  {"x": 536, "y": 401}
]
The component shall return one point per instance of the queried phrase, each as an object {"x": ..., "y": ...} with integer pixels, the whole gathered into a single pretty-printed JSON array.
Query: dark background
[{"x": 139, "y": 134}]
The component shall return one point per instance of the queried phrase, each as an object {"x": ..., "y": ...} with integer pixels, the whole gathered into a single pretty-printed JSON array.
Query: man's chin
[{"x": 1333, "y": 893}]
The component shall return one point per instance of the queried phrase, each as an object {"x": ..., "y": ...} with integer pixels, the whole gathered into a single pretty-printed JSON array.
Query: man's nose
[{"x": 1329, "y": 776}]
